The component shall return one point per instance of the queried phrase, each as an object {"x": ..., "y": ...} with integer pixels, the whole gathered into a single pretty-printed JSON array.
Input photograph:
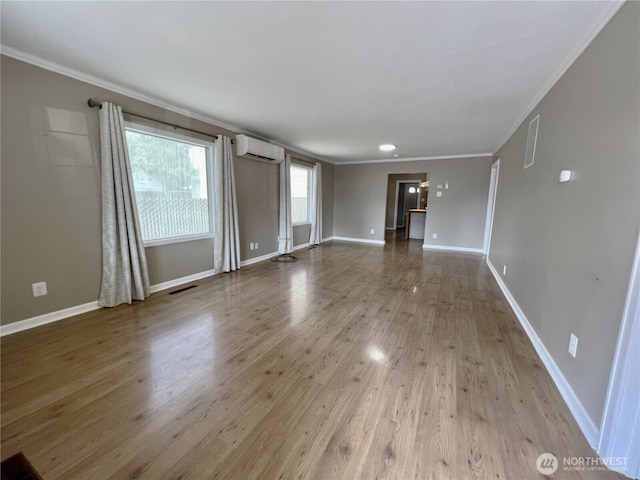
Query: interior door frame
[
  {"x": 620, "y": 426},
  {"x": 395, "y": 202},
  {"x": 491, "y": 206}
]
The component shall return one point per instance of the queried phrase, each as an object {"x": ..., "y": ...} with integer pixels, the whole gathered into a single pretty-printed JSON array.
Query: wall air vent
[
  {"x": 258, "y": 150},
  {"x": 532, "y": 138},
  {"x": 180, "y": 290}
]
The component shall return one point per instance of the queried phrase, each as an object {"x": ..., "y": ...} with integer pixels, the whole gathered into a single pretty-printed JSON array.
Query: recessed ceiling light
[{"x": 387, "y": 147}]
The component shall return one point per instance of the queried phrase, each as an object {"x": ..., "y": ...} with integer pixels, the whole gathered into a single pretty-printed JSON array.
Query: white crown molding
[
  {"x": 590, "y": 33},
  {"x": 416, "y": 159},
  {"x": 302, "y": 152},
  {"x": 91, "y": 80}
]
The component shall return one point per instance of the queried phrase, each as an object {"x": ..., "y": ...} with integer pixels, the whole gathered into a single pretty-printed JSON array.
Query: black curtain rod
[
  {"x": 301, "y": 160},
  {"x": 93, "y": 104}
]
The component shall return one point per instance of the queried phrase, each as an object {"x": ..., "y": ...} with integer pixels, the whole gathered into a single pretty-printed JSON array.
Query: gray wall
[
  {"x": 51, "y": 194},
  {"x": 569, "y": 247},
  {"x": 458, "y": 217}
]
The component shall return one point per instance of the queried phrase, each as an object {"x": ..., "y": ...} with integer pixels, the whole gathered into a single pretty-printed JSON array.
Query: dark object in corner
[
  {"x": 284, "y": 258},
  {"x": 182, "y": 289},
  {"x": 18, "y": 467}
]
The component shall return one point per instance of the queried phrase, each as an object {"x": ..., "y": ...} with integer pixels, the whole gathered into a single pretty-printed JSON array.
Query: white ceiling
[{"x": 334, "y": 79}]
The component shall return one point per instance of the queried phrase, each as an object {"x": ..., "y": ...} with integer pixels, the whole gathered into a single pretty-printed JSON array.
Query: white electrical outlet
[
  {"x": 256, "y": 245},
  {"x": 372, "y": 231},
  {"x": 435, "y": 235},
  {"x": 504, "y": 270},
  {"x": 251, "y": 246},
  {"x": 39, "y": 289},
  {"x": 438, "y": 194},
  {"x": 573, "y": 345}
]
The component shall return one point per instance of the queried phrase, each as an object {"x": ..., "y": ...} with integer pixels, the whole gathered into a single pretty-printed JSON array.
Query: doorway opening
[
  {"x": 406, "y": 193},
  {"x": 408, "y": 198},
  {"x": 491, "y": 206}
]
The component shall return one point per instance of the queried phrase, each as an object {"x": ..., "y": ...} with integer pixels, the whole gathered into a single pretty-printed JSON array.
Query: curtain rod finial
[{"x": 92, "y": 103}]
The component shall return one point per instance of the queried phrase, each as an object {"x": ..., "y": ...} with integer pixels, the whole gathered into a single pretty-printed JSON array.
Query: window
[
  {"x": 300, "y": 182},
  {"x": 171, "y": 177}
]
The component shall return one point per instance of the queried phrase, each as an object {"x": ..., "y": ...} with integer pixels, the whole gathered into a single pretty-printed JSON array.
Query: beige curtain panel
[
  {"x": 226, "y": 246},
  {"x": 315, "y": 237},
  {"x": 124, "y": 265},
  {"x": 285, "y": 230}
]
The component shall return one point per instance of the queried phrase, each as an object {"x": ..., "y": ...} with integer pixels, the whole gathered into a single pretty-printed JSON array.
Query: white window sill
[{"x": 187, "y": 238}]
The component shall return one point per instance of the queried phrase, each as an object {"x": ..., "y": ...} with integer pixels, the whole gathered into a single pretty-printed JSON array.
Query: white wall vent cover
[
  {"x": 258, "y": 150},
  {"x": 532, "y": 138}
]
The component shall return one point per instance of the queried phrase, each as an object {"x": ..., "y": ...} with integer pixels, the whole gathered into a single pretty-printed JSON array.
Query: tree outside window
[{"x": 170, "y": 181}]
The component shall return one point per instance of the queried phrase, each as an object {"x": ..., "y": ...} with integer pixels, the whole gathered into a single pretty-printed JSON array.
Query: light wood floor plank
[{"x": 356, "y": 362}]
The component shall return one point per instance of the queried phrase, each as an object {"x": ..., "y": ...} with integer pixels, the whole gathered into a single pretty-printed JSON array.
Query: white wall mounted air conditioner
[{"x": 258, "y": 150}]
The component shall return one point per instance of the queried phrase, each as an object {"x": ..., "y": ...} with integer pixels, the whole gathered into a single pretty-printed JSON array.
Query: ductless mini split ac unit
[{"x": 258, "y": 150}]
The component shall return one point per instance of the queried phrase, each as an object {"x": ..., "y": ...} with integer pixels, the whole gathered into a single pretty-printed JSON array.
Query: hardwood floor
[{"x": 355, "y": 362}]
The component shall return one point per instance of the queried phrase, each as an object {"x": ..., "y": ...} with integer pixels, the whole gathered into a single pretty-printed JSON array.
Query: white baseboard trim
[
  {"x": 581, "y": 416},
  {"x": 359, "y": 240},
  {"x": 328, "y": 239},
  {"x": 269, "y": 256},
  {"x": 451, "y": 249},
  {"x": 261, "y": 258},
  {"x": 58, "y": 315},
  {"x": 181, "y": 281},
  {"x": 50, "y": 317},
  {"x": 301, "y": 246}
]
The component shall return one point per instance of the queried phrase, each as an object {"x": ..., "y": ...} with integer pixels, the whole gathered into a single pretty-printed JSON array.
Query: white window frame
[
  {"x": 309, "y": 180},
  {"x": 208, "y": 145}
]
